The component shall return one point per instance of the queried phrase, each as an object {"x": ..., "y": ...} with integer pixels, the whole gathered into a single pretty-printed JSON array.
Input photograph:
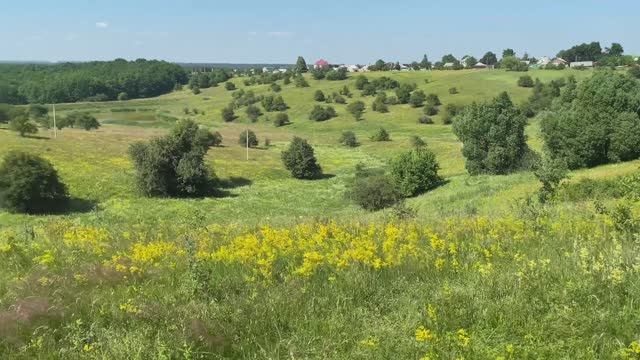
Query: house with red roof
[{"x": 321, "y": 64}]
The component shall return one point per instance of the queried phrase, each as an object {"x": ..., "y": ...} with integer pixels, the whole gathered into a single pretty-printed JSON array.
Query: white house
[
  {"x": 448, "y": 65},
  {"x": 581, "y": 64},
  {"x": 480, "y": 65},
  {"x": 352, "y": 68},
  {"x": 544, "y": 61}
]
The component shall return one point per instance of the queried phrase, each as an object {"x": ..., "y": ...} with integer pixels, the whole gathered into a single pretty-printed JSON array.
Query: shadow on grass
[
  {"x": 37, "y": 137},
  {"x": 234, "y": 182}
]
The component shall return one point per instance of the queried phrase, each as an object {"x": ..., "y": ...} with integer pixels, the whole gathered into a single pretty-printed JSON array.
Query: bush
[
  {"x": 22, "y": 125},
  {"x": 525, "y": 81},
  {"x": 356, "y": 109},
  {"x": 227, "y": 114},
  {"x": 80, "y": 120},
  {"x": 492, "y": 135},
  {"x": 253, "y": 112},
  {"x": 338, "y": 99},
  {"x": 348, "y": 138},
  {"x": 30, "y": 184},
  {"x": 453, "y": 91},
  {"x": 300, "y": 82},
  {"x": 381, "y": 135},
  {"x": 417, "y": 141},
  {"x": 275, "y": 87},
  {"x": 300, "y": 160},
  {"x": 425, "y": 120},
  {"x": 172, "y": 165},
  {"x": 252, "y": 139},
  {"x": 417, "y": 98},
  {"x": 337, "y": 74},
  {"x": 392, "y": 100},
  {"x": 550, "y": 172},
  {"x": 274, "y": 103},
  {"x": 361, "y": 82},
  {"x": 379, "y": 104},
  {"x": 430, "y": 110},
  {"x": 229, "y": 86},
  {"x": 374, "y": 192},
  {"x": 319, "y": 113},
  {"x": 207, "y": 139},
  {"x": 195, "y": 90},
  {"x": 123, "y": 96},
  {"x": 345, "y": 91},
  {"x": 318, "y": 96},
  {"x": 511, "y": 63},
  {"x": 433, "y": 100},
  {"x": 415, "y": 172},
  {"x": 281, "y": 119}
]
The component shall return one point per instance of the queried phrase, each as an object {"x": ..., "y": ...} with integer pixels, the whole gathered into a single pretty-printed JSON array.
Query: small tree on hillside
[
  {"x": 81, "y": 120},
  {"x": 30, "y": 184},
  {"x": 229, "y": 86},
  {"x": 525, "y": 81},
  {"x": 356, "y": 109},
  {"x": 415, "y": 171},
  {"x": 319, "y": 96},
  {"x": 22, "y": 125},
  {"x": 301, "y": 65},
  {"x": 381, "y": 135},
  {"x": 417, "y": 98},
  {"x": 348, "y": 138},
  {"x": 300, "y": 81},
  {"x": 253, "y": 112},
  {"x": 300, "y": 160},
  {"x": 550, "y": 172},
  {"x": 493, "y": 136},
  {"x": 228, "y": 114},
  {"x": 252, "y": 139}
]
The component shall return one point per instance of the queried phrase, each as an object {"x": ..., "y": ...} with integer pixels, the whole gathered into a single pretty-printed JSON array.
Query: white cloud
[{"x": 102, "y": 24}]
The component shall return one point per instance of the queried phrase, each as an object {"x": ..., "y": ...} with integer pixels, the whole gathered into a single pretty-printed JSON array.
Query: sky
[{"x": 344, "y": 31}]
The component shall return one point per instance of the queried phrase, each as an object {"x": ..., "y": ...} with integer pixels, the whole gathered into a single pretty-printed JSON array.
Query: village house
[
  {"x": 321, "y": 64},
  {"x": 581, "y": 64}
]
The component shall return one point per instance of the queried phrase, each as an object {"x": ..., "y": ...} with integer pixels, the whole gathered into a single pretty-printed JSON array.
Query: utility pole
[{"x": 55, "y": 128}]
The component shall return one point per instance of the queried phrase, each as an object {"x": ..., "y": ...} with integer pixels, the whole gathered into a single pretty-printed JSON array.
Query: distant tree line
[{"x": 91, "y": 81}]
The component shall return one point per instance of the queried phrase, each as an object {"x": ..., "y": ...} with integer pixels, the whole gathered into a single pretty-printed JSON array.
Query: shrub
[
  {"x": 207, "y": 139},
  {"x": 345, "y": 91},
  {"x": 22, "y": 125},
  {"x": 248, "y": 138},
  {"x": 228, "y": 114},
  {"x": 123, "y": 96},
  {"x": 525, "y": 81},
  {"x": 338, "y": 99},
  {"x": 550, "y": 172},
  {"x": 81, "y": 120},
  {"x": 381, "y": 135},
  {"x": 348, "y": 138},
  {"x": 404, "y": 93},
  {"x": 273, "y": 103},
  {"x": 430, "y": 110},
  {"x": 425, "y": 120},
  {"x": 453, "y": 91},
  {"x": 374, "y": 192},
  {"x": 361, "y": 82},
  {"x": 634, "y": 72},
  {"x": 356, "y": 109},
  {"x": 319, "y": 113},
  {"x": 300, "y": 160},
  {"x": 337, "y": 74},
  {"x": 229, "y": 86},
  {"x": 30, "y": 184},
  {"x": 195, "y": 90},
  {"x": 300, "y": 81},
  {"x": 253, "y": 112},
  {"x": 511, "y": 63},
  {"x": 172, "y": 165},
  {"x": 379, "y": 104},
  {"x": 433, "y": 99},
  {"x": 492, "y": 135},
  {"x": 415, "y": 171},
  {"x": 275, "y": 87},
  {"x": 392, "y": 100},
  {"x": 318, "y": 96},
  {"x": 281, "y": 119},
  {"x": 417, "y": 141},
  {"x": 417, "y": 98}
]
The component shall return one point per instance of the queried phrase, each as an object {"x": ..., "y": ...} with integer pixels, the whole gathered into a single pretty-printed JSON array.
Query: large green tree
[
  {"x": 300, "y": 160},
  {"x": 301, "y": 65}
]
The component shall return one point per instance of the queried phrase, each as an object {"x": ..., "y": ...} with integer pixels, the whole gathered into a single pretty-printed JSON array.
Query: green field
[{"x": 279, "y": 268}]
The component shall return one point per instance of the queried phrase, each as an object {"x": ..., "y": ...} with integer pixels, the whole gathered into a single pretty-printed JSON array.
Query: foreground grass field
[{"x": 282, "y": 268}]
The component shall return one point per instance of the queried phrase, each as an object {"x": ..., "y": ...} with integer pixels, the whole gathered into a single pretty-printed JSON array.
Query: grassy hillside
[{"x": 281, "y": 268}]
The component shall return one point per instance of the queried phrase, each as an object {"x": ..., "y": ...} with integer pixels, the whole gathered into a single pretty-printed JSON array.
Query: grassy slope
[{"x": 96, "y": 168}]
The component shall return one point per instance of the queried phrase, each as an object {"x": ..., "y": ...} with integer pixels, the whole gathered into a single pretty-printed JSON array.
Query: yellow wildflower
[{"x": 423, "y": 334}]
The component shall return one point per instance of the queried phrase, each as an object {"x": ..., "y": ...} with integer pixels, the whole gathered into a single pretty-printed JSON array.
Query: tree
[
  {"x": 123, "y": 96},
  {"x": 229, "y": 86},
  {"x": 417, "y": 98},
  {"x": 404, "y": 93},
  {"x": 345, "y": 91},
  {"x": 281, "y": 119},
  {"x": 511, "y": 63},
  {"x": 582, "y": 52},
  {"x": 37, "y": 111},
  {"x": 430, "y": 110},
  {"x": 489, "y": 59},
  {"x": 30, "y": 184},
  {"x": 300, "y": 81},
  {"x": 379, "y": 104},
  {"x": 550, "y": 172},
  {"x": 361, "y": 82},
  {"x": 337, "y": 74},
  {"x": 492, "y": 135},
  {"x": 348, "y": 138},
  {"x": 453, "y": 90},
  {"x": 433, "y": 100},
  {"x": 81, "y": 120},
  {"x": 525, "y": 81},
  {"x": 381, "y": 135},
  {"x": 253, "y": 112},
  {"x": 319, "y": 96},
  {"x": 508, "y": 53},
  {"x": 301, "y": 65},
  {"x": 449, "y": 58},
  {"x": 634, "y": 71},
  {"x": 319, "y": 113},
  {"x": 172, "y": 165},
  {"x": 300, "y": 160},
  {"x": 470, "y": 61},
  {"x": 228, "y": 114},
  {"x": 425, "y": 63},
  {"x": 415, "y": 171},
  {"x": 206, "y": 138},
  {"x": 253, "y": 139},
  {"x": 599, "y": 126},
  {"x": 22, "y": 125},
  {"x": 356, "y": 109}
]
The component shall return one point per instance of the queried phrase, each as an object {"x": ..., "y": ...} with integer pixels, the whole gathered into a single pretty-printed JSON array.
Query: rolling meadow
[{"x": 274, "y": 267}]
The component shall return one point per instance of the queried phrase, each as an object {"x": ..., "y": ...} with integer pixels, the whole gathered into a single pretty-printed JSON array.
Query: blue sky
[{"x": 346, "y": 31}]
